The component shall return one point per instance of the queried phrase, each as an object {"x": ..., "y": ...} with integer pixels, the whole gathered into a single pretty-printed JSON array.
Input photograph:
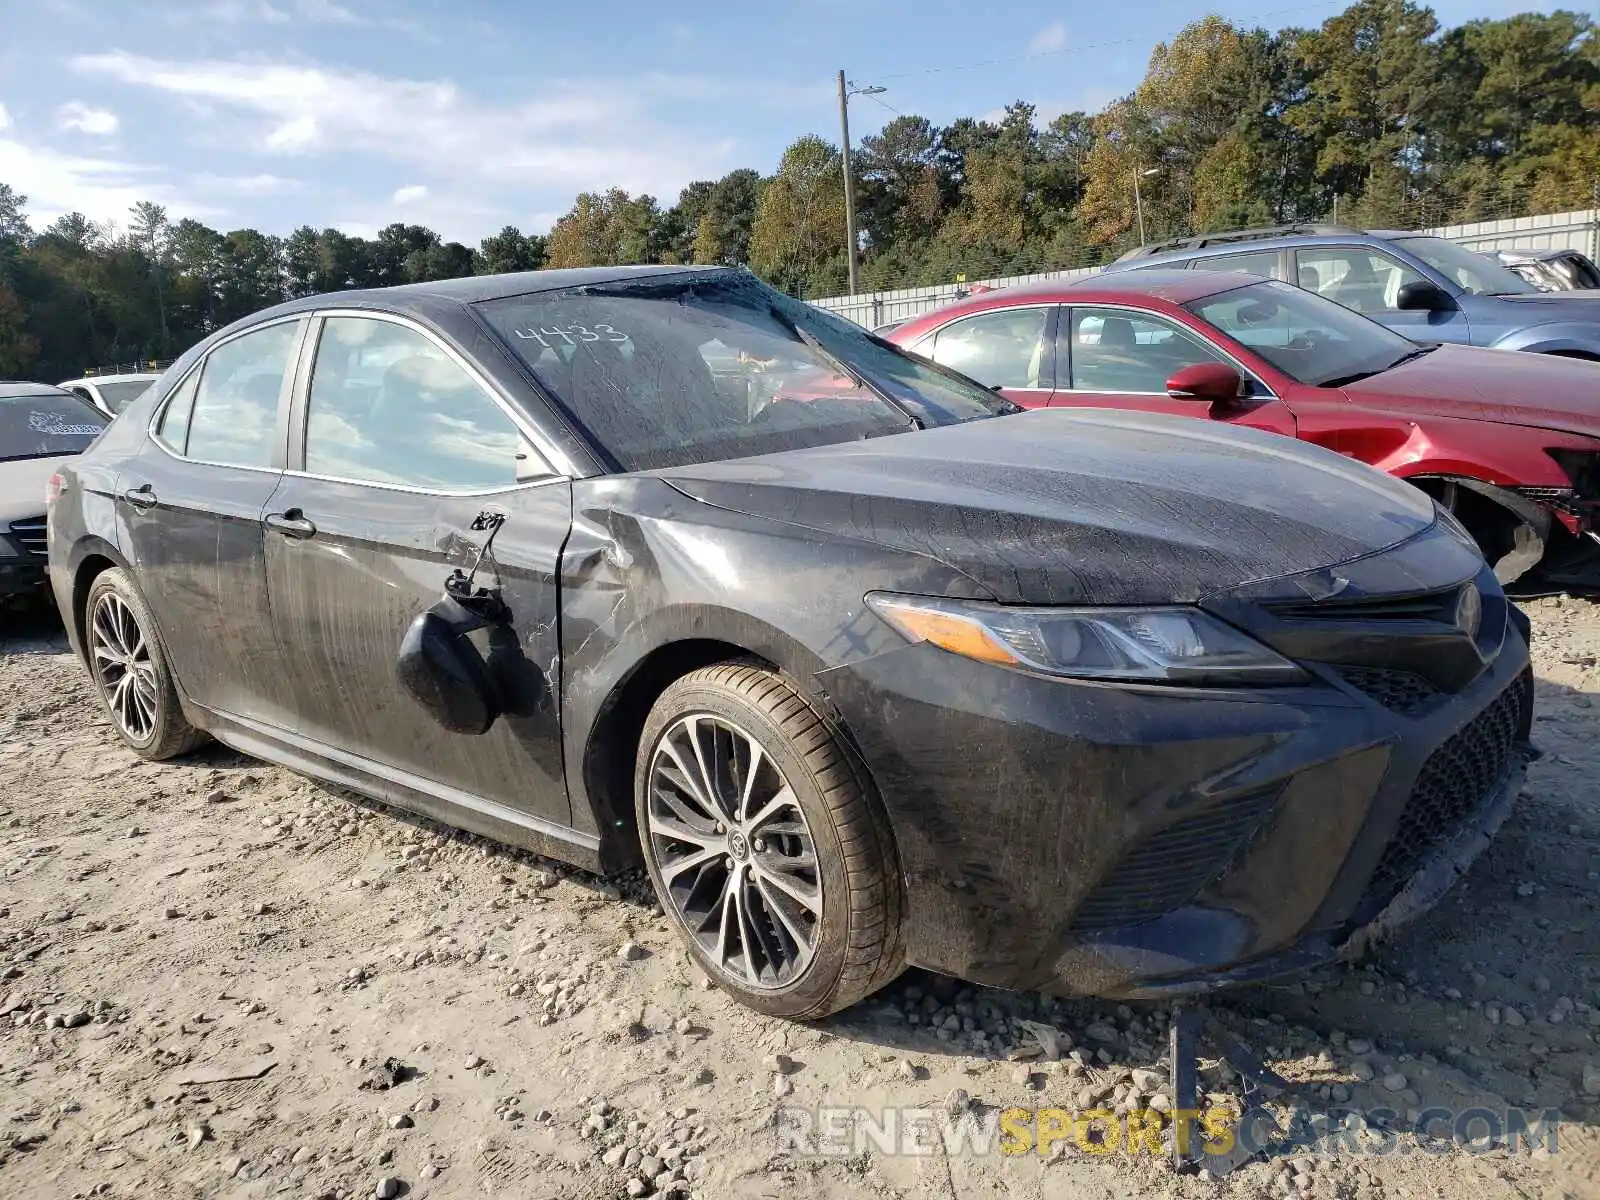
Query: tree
[
  {"x": 606, "y": 230},
  {"x": 509, "y": 250},
  {"x": 1373, "y": 76},
  {"x": 798, "y": 237}
]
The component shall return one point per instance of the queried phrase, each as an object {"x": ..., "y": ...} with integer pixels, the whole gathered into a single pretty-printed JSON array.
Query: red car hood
[{"x": 1507, "y": 387}]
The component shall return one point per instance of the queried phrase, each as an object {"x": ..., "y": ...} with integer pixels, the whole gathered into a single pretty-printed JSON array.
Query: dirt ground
[{"x": 218, "y": 978}]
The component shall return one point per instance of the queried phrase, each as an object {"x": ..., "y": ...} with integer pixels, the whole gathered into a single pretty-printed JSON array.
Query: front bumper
[
  {"x": 21, "y": 576},
  {"x": 1140, "y": 841}
]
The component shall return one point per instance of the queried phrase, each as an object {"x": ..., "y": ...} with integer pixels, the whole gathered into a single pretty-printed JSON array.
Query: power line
[{"x": 1142, "y": 39}]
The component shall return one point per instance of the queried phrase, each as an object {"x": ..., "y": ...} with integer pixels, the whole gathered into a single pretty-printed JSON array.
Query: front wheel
[
  {"x": 766, "y": 844},
  {"x": 130, "y": 671}
]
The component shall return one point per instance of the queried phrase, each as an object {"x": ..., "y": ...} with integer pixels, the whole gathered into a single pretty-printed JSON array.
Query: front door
[
  {"x": 1007, "y": 349},
  {"x": 1368, "y": 281},
  {"x": 190, "y": 508},
  {"x": 1122, "y": 358},
  {"x": 403, "y": 447}
]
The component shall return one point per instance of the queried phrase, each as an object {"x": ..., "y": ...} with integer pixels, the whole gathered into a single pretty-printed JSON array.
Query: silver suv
[{"x": 1427, "y": 288}]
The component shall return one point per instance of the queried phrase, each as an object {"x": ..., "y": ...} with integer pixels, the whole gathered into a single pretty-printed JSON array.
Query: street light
[
  {"x": 1138, "y": 202},
  {"x": 845, "y": 92}
]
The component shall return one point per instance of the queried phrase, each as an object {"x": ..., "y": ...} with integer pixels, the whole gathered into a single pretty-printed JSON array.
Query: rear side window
[
  {"x": 998, "y": 349},
  {"x": 235, "y": 417},
  {"x": 172, "y": 430},
  {"x": 1253, "y": 262}
]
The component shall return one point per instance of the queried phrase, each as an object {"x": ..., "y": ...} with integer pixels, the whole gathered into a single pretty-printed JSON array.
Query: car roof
[
  {"x": 476, "y": 288},
  {"x": 125, "y": 377},
  {"x": 1267, "y": 241},
  {"x": 1177, "y": 287},
  {"x": 9, "y": 390}
]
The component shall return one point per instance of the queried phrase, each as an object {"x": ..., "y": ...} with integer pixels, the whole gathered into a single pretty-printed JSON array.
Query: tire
[
  {"x": 120, "y": 642},
  {"x": 831, "y": 810}
]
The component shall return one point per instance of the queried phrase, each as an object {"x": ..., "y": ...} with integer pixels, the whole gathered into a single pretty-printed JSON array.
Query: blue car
[{"x": 1427, "y": 288}]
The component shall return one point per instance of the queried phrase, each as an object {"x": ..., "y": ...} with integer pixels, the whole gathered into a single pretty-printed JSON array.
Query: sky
[{"x": 469, "y": 115}]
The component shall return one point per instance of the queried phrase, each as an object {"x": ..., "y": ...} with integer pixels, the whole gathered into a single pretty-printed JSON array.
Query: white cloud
[
  {"x": 566, "y": 137},
  {"x": 411, "y": 192},
  {"x": 1049, "y": 40},
  {"x": 101, "y": 188},
  {"x": 287, "y": 12},
  {"x": 82, "y": 118},
  {"x": 5, "y": 118}
]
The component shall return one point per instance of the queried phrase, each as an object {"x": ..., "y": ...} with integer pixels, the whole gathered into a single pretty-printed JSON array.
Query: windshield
[
  {"x": 688, "y": 368},
  {"x": 124, "y": 392},
  {"x": 1307, "y": 337},
  {"x": 46, "y": 425},
  {"x": 1469, "y": 270}
]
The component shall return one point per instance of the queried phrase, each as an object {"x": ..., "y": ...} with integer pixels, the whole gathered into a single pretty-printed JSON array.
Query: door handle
[
  {"x": 143, "y": 496},
  {"x": 292, "y": 524}
]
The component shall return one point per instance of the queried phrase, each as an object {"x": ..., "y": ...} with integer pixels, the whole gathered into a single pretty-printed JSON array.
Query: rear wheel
[
  {"x": 131, "y": 673},
  {"x": 766, "y": 845}
]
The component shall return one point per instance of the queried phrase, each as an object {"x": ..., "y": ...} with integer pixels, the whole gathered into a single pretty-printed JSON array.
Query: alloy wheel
[
  {"x": 736, "y": 857},
  {"x": 123, "y": 665}
]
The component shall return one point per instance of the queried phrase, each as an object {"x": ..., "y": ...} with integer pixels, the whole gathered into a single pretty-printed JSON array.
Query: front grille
[
  {"x": 1455, "y": 782},
  {"x": 1425, "y": 606},
  {"x": 31, "y": 535},
  {"x": 1171, "y": 866},
  {"x": 1399, "y": 691}
]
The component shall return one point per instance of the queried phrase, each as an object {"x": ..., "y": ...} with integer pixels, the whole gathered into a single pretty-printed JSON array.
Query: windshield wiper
[
  {"x": 1358, "y": 376},
  {"x": 844, "y": 368}
]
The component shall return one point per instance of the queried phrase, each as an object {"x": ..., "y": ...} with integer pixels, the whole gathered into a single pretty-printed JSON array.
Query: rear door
[
  {"x": 1110, "y": 357},
  {"x": 1007, "y": 349},
  {"x": 189, "y": 508},
  {"x": 398, "y": 445}
]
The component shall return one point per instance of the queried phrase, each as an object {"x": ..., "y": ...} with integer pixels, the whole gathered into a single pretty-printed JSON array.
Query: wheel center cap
[{"x": 737, "y": 846}]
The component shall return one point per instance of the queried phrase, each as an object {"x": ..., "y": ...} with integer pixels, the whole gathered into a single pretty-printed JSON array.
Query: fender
[{"x": 1555, "y": 337}]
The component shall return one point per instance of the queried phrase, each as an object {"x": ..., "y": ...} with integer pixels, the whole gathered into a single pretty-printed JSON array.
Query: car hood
[
  {"x": 1580, "y": 305},
  {"x": 22, "y": 484},
  {"x": 1543, "y": 391},
  {"x": 1081, "y": 506}
]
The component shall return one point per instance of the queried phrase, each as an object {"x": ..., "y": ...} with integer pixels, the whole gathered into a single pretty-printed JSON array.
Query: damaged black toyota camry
[{"x": 865, "y": 666}]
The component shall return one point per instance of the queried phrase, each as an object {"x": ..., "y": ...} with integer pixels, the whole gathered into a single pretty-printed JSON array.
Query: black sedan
[{"x": 868, "y": 667}]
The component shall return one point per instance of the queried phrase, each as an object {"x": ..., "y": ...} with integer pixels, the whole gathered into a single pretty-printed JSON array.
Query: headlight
[{"x": 1146, "y": 645}]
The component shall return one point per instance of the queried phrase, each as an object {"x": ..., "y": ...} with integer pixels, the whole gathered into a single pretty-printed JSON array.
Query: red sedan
[{"x": 1510, "y": 443}]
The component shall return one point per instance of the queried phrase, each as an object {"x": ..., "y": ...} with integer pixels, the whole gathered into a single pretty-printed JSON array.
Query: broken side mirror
[{"x": 440, "y": 668}]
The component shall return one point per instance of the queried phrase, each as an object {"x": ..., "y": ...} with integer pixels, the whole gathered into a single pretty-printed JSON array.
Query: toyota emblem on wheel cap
[{"x": 1469, "y": 611}]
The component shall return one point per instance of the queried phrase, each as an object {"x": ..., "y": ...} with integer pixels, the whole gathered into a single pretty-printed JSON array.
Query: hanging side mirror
[{"x": 440, "y": 668}]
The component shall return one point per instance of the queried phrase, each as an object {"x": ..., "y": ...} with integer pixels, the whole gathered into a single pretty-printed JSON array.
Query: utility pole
[
  {"x": 849, "y": 188},
  {"x": 1138, "y": 207}
]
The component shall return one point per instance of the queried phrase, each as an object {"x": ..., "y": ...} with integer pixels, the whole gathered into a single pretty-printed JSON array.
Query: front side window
[
  {"x": 1119, "y": 350},
  {"x": 1364, "y": 281},
  {"x": 694, "y": 367},
  {"x": 1309, "y": 339},
  {"x": 998, "y": 349},
  {"x": 388, "y": 405},
  {"x": 1470, "y": 271},
  {"x": 235, "y": 417}
]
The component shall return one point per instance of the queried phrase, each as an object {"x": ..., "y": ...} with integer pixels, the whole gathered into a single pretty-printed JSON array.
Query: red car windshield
[{"x": 1307, "y": 337}]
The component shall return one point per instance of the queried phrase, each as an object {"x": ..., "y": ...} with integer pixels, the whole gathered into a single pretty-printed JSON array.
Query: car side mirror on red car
[{"x": 1207, "y": 381}]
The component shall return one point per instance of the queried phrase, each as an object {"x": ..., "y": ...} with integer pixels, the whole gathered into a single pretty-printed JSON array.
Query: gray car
[
  {"x": 1427, "y": 288},
  {"x": 40, "y": 427}
]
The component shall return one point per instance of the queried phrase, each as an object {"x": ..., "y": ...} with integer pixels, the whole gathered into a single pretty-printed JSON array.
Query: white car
[{"x": 111, "y": 393}]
